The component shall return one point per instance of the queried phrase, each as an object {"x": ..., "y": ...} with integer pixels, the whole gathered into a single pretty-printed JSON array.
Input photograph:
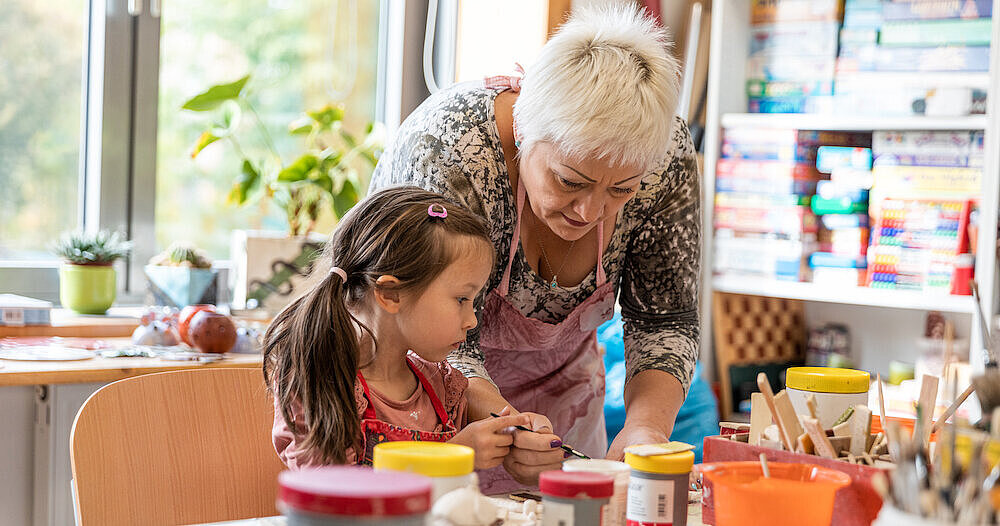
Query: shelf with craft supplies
[{"x": 826, "y": 147}]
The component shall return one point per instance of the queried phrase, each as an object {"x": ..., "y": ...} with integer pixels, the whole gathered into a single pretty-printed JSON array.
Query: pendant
[{"x": 553, "y": 284}]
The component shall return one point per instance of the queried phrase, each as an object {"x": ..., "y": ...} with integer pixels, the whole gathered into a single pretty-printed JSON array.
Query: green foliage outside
[{"x": 41, "y": 59}]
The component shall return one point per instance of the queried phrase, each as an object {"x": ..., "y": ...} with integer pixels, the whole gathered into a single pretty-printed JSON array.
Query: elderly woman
[{"x": 590, "y": 186}]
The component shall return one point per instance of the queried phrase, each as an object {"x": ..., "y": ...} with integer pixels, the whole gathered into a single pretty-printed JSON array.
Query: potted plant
[
  {"x": 181, "y": 275},
  {"x": 329, "y": 174},
  {"x": 87, "y": 281}
]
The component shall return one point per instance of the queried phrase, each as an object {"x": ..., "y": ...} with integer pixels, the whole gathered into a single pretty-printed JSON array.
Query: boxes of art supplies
[
  {"x": 16, "y": 311},
  {"x": 804, "y": 433}
]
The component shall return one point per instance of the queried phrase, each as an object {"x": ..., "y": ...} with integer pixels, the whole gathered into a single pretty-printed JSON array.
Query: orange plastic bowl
[{"x": 795, "y": 495}]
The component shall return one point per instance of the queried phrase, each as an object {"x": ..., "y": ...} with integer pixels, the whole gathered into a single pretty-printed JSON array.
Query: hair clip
[{"x": 436, "y": 210}]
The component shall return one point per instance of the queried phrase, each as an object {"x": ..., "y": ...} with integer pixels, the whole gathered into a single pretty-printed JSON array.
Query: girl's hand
[
  {"x": 490, "y": 438},
  {"x": 534, "y": 451}
]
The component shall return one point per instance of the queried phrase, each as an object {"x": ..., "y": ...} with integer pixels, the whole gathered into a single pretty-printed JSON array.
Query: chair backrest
[{"x": 178, "y": 447}]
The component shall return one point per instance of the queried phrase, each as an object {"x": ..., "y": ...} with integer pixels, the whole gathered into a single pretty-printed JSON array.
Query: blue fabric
[{"x": 698, "y": 416}]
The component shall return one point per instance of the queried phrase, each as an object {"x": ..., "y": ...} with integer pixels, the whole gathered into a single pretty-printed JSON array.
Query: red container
[{"x": 855, "y": 505}]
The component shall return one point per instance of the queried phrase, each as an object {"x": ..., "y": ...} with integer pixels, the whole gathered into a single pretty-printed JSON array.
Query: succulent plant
[
  {"x": 181, "y": 254},
  {"x": 99, "y": 248}
]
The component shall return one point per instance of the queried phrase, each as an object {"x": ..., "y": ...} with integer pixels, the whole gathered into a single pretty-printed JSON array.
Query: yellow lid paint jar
[
  {"x": 835, "y": 390},
  {"x": 658, "y": 488},
  {"x": 449, "y": 466}
]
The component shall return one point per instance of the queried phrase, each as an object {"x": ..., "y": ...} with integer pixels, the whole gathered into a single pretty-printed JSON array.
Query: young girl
[{"x": 406, "y": 266}]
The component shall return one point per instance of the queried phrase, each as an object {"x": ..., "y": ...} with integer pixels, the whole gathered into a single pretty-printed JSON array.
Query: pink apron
[{"x": 554, "y": 369}]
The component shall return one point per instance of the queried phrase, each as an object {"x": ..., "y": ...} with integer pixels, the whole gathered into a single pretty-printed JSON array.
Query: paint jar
[
  {"x": 449, "y": 466},
  {"x": 573, "y": 498},
  {"x": 835, "y": 389},
  {"x": 658, "y": 488},
  {"x": 614, "y": 513},
  {"x": 352, "y": 496}
]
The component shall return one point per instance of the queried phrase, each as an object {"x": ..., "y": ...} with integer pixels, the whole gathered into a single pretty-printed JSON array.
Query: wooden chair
[
  {"x": 754, "y": 330},
  {"x": 178, "y": 447}
]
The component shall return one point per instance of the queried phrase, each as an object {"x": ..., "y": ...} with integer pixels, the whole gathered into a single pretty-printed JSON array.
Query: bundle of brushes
[{"x": 956, "y": 484}]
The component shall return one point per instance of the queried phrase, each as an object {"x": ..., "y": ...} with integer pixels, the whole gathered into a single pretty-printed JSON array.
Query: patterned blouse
[{"x": 450, "y": 145}]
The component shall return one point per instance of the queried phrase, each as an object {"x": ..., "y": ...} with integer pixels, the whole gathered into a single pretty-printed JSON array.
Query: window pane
[
  {"x": 300, "y": 54},
  {"x": 492, "y": 36},
  {"x": 41, "y": 60}
]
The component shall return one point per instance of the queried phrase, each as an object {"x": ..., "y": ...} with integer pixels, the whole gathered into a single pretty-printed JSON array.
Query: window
[
  {"x": 40, "y": 123},
  {"x": 300, "y": 54},
  {"x": 492, "y": 36}
]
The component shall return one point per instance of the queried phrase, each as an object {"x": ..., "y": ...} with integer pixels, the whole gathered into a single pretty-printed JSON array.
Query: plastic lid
[
  {"x": 673, "y": 464},
  {"x": 354, "y": 491},
  {"x": 827, "y": 380},
  {"x": 432, "y": 459},
  {"x": 576, "y": 484}
]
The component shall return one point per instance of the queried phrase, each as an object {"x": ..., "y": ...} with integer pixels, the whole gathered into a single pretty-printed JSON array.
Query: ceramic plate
[{"x": 44, "y": 353}]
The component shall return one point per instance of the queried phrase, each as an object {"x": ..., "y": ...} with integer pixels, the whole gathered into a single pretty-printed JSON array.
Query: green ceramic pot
[{"x": 87, "y": 289}]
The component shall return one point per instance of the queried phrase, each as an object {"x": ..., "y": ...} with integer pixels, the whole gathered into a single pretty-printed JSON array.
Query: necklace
[{"x": 555, "y": 275}]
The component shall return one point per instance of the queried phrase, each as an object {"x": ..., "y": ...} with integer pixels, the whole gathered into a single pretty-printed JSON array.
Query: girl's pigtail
[{"x": 317, "y": 365}]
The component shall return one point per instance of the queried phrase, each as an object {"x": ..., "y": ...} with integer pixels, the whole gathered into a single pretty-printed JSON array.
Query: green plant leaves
[
  {"x": 299, "y": 169},
  {"x": 327, "y": 115},
  {"x": 216, "y": 95},
  {"x": 204, "y": 140},
  {"x": 345, "y": 199},
  {"x": 245, "y": 183}
]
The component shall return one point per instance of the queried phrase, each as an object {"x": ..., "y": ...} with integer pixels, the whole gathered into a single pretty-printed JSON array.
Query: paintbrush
[
  {"x": 987, "y": 385},
  {"x": 564, "y": 447}
]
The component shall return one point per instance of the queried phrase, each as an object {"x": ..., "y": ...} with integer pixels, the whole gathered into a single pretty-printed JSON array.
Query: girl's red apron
[
  {"x": 375, "y": 431},
  {"x": 554, "y": 369}
]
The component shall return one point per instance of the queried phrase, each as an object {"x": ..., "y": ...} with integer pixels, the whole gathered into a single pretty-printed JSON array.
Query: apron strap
[
  {"x": 515, "y": 240},
  {"x": 424, "y": 384},
  {"x": 435, "y": 401}
]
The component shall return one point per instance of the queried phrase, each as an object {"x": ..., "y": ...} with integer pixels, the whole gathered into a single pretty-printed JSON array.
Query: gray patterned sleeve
[{"x": 660, "y": 278}]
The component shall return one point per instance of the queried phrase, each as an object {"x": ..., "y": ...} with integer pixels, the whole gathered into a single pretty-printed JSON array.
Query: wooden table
[{"x": 16, "y": 372}]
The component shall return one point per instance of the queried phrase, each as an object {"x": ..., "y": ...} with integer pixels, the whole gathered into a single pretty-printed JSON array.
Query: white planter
[{"x": 271, "y": 269}]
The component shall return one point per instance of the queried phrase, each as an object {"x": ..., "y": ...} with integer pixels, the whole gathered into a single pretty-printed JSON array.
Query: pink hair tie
[
  {"x": 436, "y": 210},
  {"x": 340, "y": 272}
]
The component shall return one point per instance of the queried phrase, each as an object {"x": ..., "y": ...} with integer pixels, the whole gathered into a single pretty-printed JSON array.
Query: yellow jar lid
[
  {"x": 431, "y": 459},
  {"x": 674, "y": 464},
  {"x": 827, "y": 380}
]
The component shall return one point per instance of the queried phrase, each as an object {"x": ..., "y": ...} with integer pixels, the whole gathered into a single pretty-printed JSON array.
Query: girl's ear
[{"x": 386, "y": 294}]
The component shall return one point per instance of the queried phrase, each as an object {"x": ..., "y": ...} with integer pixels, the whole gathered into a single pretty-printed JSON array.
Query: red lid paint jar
[
  {"x": 574, "y": 498},
  {"x": 353, "y": 496}
]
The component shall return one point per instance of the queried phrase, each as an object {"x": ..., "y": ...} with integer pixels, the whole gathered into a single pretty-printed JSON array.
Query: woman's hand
[
  {"x": 636, "y": 433},
  {"x": 534, "y": 451},
  {"x": 490, "y": 438},
  {"x": 652, "y": 399}
]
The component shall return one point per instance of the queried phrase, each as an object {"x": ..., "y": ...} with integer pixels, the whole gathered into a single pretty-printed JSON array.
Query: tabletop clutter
[
  {"x": 414, "y": 483},
  {"x": 944, "y": 471}
]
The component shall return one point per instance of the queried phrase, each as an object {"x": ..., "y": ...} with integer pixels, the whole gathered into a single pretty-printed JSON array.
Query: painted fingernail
[
  {"x": 567, "y": 454},
  {"x": 555, "y": 443}
]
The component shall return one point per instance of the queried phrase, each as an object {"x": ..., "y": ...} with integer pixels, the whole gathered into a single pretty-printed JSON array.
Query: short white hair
[{"x": 605, "y": 85}]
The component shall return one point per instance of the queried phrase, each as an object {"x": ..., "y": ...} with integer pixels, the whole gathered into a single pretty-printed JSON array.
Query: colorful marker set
[{"x": 917, "y": 244}]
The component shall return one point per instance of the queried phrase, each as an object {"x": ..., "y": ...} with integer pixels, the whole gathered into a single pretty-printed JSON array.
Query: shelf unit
[{"x": 726, "y": 107}]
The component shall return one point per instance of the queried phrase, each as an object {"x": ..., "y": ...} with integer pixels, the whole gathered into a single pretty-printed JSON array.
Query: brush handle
[{"x": 564, "y": 447}]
